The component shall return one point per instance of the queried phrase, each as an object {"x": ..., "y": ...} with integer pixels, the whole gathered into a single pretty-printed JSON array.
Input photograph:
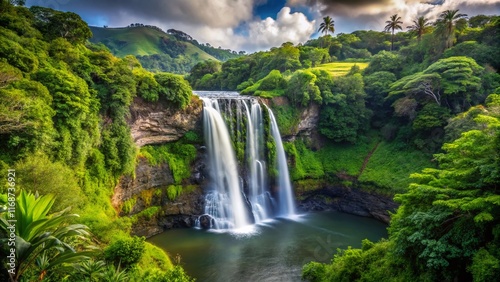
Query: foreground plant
[{"x": 41, "y": 236}]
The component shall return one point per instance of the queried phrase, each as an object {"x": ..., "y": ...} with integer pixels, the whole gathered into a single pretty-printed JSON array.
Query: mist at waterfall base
[
  {"x": 254, "y": 233},
  {"x": 240, "y": 191}
]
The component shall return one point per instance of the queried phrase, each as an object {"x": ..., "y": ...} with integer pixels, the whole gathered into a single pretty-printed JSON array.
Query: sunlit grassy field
[{"x": 340, "y": 68}]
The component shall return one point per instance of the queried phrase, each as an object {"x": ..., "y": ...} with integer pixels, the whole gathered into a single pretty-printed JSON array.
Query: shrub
[
  {"x": 274, "y": 80},
  {"x": 125, "y": 251}
]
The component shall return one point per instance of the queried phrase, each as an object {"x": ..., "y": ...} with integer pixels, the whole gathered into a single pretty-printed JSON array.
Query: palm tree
[
  {"x": 420, "y": 26},
  {"x": 327, "y": 25},
  {"x": 446, "y": 22},
  {"x": 392, "y": 24},
  {"x": 42, "y": 238}
]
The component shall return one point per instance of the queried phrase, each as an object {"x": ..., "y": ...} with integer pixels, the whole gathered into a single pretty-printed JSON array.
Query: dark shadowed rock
[
  {"x": 205, "y": 221},
  {"x": 348, "y": 200}
]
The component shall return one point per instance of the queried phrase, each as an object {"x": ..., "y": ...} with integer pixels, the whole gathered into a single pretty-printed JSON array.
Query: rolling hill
[{"x": 157, "y": 50}]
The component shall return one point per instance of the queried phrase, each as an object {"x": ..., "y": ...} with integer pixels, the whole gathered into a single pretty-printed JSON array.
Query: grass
[
  {"x": 288, "y": 118},
  {"x": 140, "y": 41},
  {"x": 390, "y": 166},
  {"x": 387, "y": 169},
  {"x": 178, "y": 156},
  {"x": 345, "y": 158},
  {"x": 340, "y": 68}
]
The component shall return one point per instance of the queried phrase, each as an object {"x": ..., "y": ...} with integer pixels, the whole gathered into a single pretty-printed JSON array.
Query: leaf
[{"x": 483, "y": 216}]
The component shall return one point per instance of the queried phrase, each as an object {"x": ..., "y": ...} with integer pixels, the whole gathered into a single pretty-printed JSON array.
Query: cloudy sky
[{"x": 253, "y": 25}]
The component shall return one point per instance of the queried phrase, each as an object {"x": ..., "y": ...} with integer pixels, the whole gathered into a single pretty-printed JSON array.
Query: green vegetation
[
  {"x": 287, "y": 117},
  {"x": 390, "y": 166},
  {"x": 385, "y": 112},
  {"x": 63, "y": 109},
  {"x": 178, "y": 156},
  {"x": 270, "y": 86},
  {"x": 125, "y": 252},
  {"x": 42, "y": 236},
  {"x": 372, "y": 165},
  {"x": 422, "y": 95},
  {"x": 340, "y": 68},
  {"x": 305, "y": 164},
  {"x": 445, "y": 228},
  {"x": 173, "y": 51}
]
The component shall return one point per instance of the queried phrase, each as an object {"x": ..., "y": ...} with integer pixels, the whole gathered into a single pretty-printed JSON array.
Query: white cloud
[
  {"x": 221, "y": 22},
  {"x": 288, "y": 27},
  {"x": 350, "y": 15},
  {"x": 219, "y": 13},
  {"x": 260, "y": 34}
]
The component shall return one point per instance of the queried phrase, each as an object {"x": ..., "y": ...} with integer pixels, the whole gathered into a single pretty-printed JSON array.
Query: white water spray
[
  {"x": 286, "y": 200},
  {"x": 226, "y": 204}
]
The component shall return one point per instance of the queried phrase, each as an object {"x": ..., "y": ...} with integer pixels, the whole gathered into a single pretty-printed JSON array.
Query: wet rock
[
  {"x": 348, "y": 200},
  {"x": 205, "y": 221},
  {"x": 147, "y": 177}
]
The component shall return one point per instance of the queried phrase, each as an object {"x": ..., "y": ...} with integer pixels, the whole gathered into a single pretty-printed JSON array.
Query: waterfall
[
  {"x": 224, "y": 203},
  {"x": 286, "y": 201},
  {"x": 260, "y": 198},
  {"x": 239, "y": 192}
]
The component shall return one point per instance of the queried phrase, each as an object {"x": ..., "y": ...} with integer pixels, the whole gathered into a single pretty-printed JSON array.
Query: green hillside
[
  {"x": 155, "y": 49},
  {"x": 139, "y": 41}
]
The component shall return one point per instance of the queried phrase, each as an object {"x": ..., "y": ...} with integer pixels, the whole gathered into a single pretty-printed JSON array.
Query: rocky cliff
[
  {"x": 147, "y": 196},
  {"x": 348, "y": 200},
  {"x": 147, "y": 199},
  {"x": 307, "y": 126},
  {"x": 156, "y": 123}
]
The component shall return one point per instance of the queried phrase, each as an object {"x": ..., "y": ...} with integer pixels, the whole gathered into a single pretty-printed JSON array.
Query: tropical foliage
[
  {"x": 327, "y": 25},
  {"x": 425, "y": 96},
  {"x": 445, "y": 228},
  {"x": 43, "y": 241},
  {"x": 392, "y": 24},
  {"x": 64, "y": 106}
]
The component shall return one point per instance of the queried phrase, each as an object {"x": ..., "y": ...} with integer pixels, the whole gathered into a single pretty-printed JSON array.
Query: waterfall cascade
[{"x": 241, "y": 191}]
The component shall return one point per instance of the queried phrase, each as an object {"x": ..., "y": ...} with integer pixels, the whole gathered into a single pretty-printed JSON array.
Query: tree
[
  {"x": 446, "y": 24},
  {"x": 344, "y": 115},
  {"x": 55, "y": 24},
  {"x": 284, "y": 58},
  {"x": 302, "y": 88},
  {"x": 419, "y": 84},
  {"x": 174, "y": 88},
  {"x": 327, "y": 25},
  {"x": 385, "y": 61},
  {"x": 454, "y": 79},
  {"x": 420, "y": 26},
  {"x": 42, "y": 236},
  {"x": 377, "y": 88},
  {"x": 479, "y": 20},
  {"x": 447, "y": 223},
  {"x": 392, "y": 24},
  {"x": 17, "y": 2}
]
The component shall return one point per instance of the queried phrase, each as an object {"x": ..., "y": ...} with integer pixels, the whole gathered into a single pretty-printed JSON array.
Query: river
[{"x": 275, "y": 250}]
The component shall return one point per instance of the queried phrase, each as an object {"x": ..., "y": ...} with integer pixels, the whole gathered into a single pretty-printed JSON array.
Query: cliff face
[
  {"x": 146, "y": 198},
  {"x": 348, "y": 200},
  {"x": 308, "y": 120},
  {"x": 153, "y": 123}
]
